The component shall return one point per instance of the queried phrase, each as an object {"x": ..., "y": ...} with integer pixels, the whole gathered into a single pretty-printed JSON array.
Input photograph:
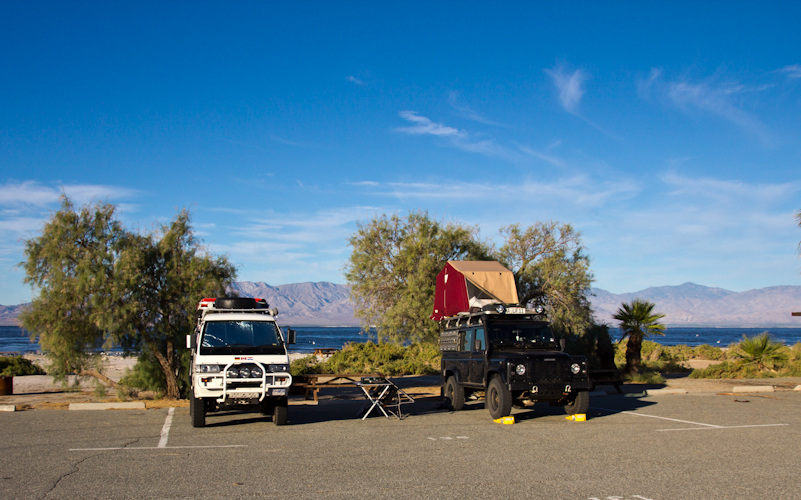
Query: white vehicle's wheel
[
  {"x": 197, "y": 411},
  {"x": 280, "y": 414}
]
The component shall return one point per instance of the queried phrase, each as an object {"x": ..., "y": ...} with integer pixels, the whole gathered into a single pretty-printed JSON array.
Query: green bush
[
  {"x": 388, "y": 359},
  {"x": 147, "y": 375},
  {"x": 17, "y": 366},
  {"x": 706, "y": 351},
  {"x": 646, "y": 376},
  {"x": 756, "y": 357}
]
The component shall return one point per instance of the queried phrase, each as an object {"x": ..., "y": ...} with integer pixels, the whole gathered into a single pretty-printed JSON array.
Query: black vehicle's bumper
[{"x": 550, "y": 388}]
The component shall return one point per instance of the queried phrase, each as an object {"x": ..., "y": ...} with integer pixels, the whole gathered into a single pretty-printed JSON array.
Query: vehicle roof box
[
  {"x": 463, "y": 284},
  {"x": 239, "y": 303}
]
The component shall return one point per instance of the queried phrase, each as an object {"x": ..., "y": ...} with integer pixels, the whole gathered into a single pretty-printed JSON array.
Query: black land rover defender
[{"x": 511, "y": 354}]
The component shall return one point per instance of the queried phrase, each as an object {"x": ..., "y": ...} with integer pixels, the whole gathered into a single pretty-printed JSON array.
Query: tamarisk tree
[
  {"x": 393, "y": 270},
  {"x": 100, "y": 286}
]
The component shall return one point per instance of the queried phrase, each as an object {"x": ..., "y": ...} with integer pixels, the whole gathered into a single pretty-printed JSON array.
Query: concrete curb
[
  {"x": 107, "y": 406},
  {"x": 753, "y": 388},
  {"x": 664, "y": 392},
  {"x": 8, "y": 408}
]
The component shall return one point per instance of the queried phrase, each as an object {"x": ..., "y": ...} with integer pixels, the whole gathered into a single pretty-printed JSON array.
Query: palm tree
[
  {"x": 637, "y": 320},
  {"x": 760, "y": 350}
]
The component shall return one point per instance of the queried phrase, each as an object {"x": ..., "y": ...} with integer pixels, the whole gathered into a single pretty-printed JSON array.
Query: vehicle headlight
[
  {"x": 208, "y": 368},
  {"x": 520, "y": 369},
  {"x": 539, "y": 309},
  {"x": 256, "y": 372},
  {"x": 277, "y": 368},
  {"x": 244, "y": 372},
  {"x": 232, "y": 372},
  {"x": 575, "y": 368}
]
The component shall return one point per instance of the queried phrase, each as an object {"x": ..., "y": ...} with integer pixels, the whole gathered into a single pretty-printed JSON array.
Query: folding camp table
[{"x": 382, "y": 393}]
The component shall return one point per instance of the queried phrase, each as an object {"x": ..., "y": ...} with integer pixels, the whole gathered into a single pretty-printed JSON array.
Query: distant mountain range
[
  {"x": 696, "y": 305},
  {"x": 328, "y": 304},
  {"x": 301, "y": 304}
]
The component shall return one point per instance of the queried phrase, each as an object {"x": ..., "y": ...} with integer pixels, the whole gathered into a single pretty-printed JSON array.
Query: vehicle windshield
[
  {"x": 521, "y": 335},
  {"x": 240, "y": 337}
]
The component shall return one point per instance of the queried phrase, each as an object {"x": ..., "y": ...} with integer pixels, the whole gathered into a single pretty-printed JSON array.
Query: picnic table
[
  {"x": 379, "y": 391},
  {"x": 313, "y": 382}
]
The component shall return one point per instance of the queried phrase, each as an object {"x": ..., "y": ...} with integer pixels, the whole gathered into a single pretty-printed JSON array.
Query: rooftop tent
[{"x": 465, "y": 284}]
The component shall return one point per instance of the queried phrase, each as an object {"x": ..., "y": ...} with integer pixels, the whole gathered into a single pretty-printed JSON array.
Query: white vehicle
[{"x": 239, "y": 359}]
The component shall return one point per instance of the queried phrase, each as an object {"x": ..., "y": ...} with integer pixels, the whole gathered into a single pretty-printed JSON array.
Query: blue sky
[{"x": 667, "y": 133}]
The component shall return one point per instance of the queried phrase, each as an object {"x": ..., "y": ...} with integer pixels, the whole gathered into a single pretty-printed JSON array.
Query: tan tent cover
[{"x": 490, "y": 277}]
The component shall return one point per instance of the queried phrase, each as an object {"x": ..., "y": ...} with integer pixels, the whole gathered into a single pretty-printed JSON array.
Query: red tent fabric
[{"x": 461, "y": 284}]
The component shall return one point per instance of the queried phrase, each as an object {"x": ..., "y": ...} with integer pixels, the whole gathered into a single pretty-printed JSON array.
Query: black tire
[
  {"x": 197, "y": 411},
  {"x": 579, "y": 404},
  {"x": 454, "y": 394},
  {"x": 498, "y": 399},
  {"x": 280, "y": 413}
]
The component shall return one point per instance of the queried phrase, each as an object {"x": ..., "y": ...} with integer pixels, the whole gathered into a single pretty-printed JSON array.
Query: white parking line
[
  {"x": 722, "y": 427},
  {"x": 703, "y": 425},
  {"x": 165, "y": 431},
  {"x": 165, "y": 434}
]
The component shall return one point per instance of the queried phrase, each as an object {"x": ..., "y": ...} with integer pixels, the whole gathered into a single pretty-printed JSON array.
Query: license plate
[
  {"x": 243, "y": 395},
  {"x": 279, "y": 392},
  {"x": 516, "y": 310}
]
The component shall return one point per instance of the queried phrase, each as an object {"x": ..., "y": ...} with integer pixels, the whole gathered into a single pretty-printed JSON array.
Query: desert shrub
[
  {"x": 17, "y": 366},
  {"x": 657, "y": 357},
  {"x": 646, "y": 376},
  {"x": 706, "y": 351},
  {"x": 147, "y": 374},
  {"x": 756, "y": 357},
  {"x": 794, "y": 352},
  {"x": 304, "y": 365},
  {"x": 730, "y": 369},
  {"x": 665, "y": 365},
  {"x": 761, "y": 351},
  {"x": 368, "y": 357}
]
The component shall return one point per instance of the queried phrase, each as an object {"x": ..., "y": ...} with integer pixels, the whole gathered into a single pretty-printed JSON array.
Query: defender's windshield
[
  {"x": 521, "y": 335},
  {"x": 240, "y": 337}
]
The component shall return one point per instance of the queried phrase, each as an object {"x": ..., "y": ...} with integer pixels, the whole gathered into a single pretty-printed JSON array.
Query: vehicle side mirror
[
  {"x": 477, "y": 345},
  {"x": 292, "y": 337},
  {"x": 562, "y": 344},
  {"x": 190, "y": 341}
]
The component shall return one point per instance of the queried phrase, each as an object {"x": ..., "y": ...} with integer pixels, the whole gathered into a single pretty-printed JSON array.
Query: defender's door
[{"x": 477, "y": 346}]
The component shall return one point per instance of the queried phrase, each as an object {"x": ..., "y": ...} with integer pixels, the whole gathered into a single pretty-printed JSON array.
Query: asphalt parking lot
[{"x": 667, "y": 447}]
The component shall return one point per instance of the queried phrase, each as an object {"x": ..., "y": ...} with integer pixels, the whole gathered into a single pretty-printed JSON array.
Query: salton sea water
[{"x": 14, "y": 339}]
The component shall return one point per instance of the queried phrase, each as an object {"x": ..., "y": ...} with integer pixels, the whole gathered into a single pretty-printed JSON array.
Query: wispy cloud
[
  {"x": 357, "y": 81},
  {"x": 33, "y": 194},
  {"x": 281, "y": 140},
  {"x": 577, "y": 191},
  {"x": 720, "y": 98},
  {"x": 792, "y": 71},
  {"x": 570, "y": 86},
  {"x": 467, "y": 112},
  {"x": 553, "y": 160},
  {"x": 424, "y": 126},
  {"x": 460, "y": 139}
]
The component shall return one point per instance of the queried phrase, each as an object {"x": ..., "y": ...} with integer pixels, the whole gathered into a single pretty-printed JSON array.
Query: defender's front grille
[{"x": 543, "y": 370}]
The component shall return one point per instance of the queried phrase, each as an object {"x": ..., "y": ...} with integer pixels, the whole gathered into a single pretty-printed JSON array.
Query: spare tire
[{"x": 237, "y": 303}]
